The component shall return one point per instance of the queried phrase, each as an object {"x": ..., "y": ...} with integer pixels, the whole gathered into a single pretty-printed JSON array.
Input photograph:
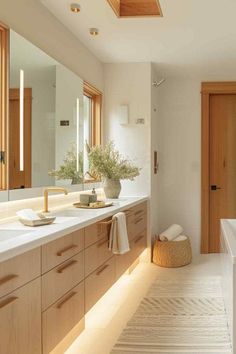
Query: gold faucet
[{"x": 51, "y": 189}]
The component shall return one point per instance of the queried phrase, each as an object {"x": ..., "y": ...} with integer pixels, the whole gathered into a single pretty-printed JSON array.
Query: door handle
[{"x": 214, "y": 187}]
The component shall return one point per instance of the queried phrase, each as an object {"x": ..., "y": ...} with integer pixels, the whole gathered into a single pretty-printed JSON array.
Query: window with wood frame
[
  {"x": 4, "y": 40},
  {"x": 92, "y": 115}
]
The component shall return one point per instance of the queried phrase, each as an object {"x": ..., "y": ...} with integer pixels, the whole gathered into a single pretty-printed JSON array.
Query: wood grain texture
[
  {"x": 19, "y": 270},
  {"x": 52, "y": 250},
  {"x": 4, "y": 64},
  {"x": 62, "y": 317},
  {"x": 20, "y": 320},
  {"x": 57, "y": 282},
  {"x": 97, "y": 283},
  {"x": 19, "y": 179},
  {"x": 96, "y": 255},
  {"x": 208, "y": 89},
  {"x": 136, "y": 8}
]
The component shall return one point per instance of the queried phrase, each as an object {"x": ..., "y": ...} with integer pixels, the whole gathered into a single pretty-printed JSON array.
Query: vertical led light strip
[
  {"x": 21, "y": 120},
  {"x": 77, "y": 134}
]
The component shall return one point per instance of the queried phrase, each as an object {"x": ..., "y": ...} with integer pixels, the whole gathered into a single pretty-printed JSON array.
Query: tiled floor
[{"x": 105, "y": 321}]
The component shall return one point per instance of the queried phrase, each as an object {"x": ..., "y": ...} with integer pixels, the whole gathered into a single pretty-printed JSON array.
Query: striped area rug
[{"x": 176, "y": 317}]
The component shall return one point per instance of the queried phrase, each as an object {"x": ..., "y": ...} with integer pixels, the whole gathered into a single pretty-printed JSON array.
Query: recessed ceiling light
[
  {"x": 94, "y": 31},
  {"x": 75, "y": 7}
]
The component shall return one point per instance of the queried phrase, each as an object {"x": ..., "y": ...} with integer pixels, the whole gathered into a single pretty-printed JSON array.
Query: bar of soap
[{"x": 96, "y": 204}]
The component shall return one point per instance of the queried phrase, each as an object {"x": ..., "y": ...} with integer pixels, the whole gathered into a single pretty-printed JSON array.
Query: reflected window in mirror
[
  {"x": 4, "y": 36},
  {"x": 92, "y": 123}
]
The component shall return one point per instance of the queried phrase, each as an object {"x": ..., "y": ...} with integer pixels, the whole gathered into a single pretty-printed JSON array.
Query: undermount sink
[{"x": 9, "y": 234}]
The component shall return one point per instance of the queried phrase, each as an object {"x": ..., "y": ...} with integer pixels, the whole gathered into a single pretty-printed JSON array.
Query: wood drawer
[
  {"x": 20, "y": 320},
  {"x": 19, "y": 270},
  {"x": 123, "y": 262},
  {"x": 59, "y": 319},
  {"x": 96, "y": 232},
  {"x": 140, "y": 224},
  {"x": 138, "y": 245},
  {"x": 62, "y": 279},
  {"x": 139, "y": 210},
  {"x": 96, "y": 254},
  {"x": 99, "y": 282},
  {"x": 58, "y": 251}
]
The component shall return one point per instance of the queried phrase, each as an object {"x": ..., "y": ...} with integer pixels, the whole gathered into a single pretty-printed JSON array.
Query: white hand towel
[
  {"x": 118, "y": 241},
  {"x": 171, "y": 233},
  {"x": 27, "y": 214},
  {"x": 180, "y": 238}
]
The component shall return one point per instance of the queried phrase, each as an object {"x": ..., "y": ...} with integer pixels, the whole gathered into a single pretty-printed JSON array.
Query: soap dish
[{"x": 43, "y": 221}]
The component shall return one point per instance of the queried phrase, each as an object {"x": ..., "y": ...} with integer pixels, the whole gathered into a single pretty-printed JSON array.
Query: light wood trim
[
  {"x": 208, "y": 88},
  {"x": 115, "y": 5},
  {"x": 4, "y": 69},
  {"x": 136, "y": 8},
  {"x": 96, "y": 96}
]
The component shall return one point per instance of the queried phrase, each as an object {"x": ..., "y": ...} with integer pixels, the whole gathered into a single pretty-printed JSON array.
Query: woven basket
[{"x": 172, "y": 254}]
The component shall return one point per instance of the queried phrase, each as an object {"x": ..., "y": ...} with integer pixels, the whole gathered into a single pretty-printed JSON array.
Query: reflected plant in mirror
[{"x": 68, "y": 170}]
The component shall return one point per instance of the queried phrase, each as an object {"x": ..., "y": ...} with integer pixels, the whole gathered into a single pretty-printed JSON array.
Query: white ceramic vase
[{"x": 112, "y": 188}]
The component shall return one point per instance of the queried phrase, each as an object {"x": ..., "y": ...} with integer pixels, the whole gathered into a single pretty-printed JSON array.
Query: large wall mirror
[{"x": 52, "y": 113}]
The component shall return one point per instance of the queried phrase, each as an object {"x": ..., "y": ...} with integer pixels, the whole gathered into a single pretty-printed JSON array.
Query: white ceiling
[{"x": 193, "y": 34}]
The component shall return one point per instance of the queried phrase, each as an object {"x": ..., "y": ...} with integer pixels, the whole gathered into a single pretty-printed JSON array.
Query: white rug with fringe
[{"x": 178, "y": 316}]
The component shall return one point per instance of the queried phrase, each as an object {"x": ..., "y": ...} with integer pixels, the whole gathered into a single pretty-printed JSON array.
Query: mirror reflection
[{"x": 47, "y": 127}]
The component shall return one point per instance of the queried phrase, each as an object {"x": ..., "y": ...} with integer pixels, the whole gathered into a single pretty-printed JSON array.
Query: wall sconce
[{"x": 21, "y": 120}]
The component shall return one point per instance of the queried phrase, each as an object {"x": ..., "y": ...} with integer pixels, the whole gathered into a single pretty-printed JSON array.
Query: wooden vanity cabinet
[{"x": 20, "y": 320}]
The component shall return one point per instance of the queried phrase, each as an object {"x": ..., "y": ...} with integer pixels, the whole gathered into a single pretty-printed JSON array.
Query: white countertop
[
  {"x": 228, "y": 231},
  {"x": 11, "y": 246}
]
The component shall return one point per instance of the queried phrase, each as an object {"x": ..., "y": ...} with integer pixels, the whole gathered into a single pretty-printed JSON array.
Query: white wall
[
  {"x": 130, "y": 84},
  {"x": 33, "y": 21},
  {"x": 179, "y": 139}
]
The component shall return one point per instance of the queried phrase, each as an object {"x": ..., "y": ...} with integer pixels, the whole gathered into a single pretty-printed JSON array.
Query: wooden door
[
  {"x": 19, "y": 179},
  {"x": 222, "y": 175},
  {"x": 20, "y": 320}
]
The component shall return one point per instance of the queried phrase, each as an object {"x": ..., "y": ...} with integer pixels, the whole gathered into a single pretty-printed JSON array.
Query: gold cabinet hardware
[
  {"x": 8, "y": 301},
  {"x": 101, "y": 270},
  {"x": 66, "y": 266},
  {"x": 65, "y": 250},
  {"x": 7, "y": 278},
  {"x": 60, "y": 305}
]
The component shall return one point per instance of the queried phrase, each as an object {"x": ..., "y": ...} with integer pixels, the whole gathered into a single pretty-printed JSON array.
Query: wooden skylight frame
[{"x": 136, "y": 8}]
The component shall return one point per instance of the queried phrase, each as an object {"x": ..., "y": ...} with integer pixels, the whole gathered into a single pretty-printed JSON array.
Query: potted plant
[
  {"x": 109, "y": 165},
  {"x": 69, "y": 168}
]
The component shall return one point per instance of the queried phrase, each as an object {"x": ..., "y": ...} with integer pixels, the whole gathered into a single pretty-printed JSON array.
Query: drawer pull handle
[
  {"x": 65, "y": 250},
  {"x": 8, "y": 302},
  {"x": 59, "y": 306},
  {"x": 65, "y": 267},
  {"x": 139, "y": 212},
  {"x": 102, "y": 243},
  {"x": 137, "y": 221},
  {"x": 8, "y": 278},
  {"x": 102, "y": 269},
  {"x": 138, "y": 239}
]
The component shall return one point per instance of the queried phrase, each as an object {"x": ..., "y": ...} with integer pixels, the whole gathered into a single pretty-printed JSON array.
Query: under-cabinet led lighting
[
  {"x": 21, "y": 120},
  {"x": 77, "y": 135}
]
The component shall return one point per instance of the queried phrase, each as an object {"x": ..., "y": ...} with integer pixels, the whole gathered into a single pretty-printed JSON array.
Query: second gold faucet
[{"x": 53, "y": 190}]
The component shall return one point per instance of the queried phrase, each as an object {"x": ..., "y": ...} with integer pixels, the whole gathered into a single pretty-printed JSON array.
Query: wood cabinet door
[{"x": 20, "y": 320}]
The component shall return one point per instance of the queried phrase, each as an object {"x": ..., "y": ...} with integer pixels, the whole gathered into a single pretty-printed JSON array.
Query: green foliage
[
  {"x": 68, "y": 169},
  {"x": 107, "y": 162}
]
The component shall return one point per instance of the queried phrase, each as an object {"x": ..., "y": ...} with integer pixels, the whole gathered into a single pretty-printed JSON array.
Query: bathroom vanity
[
  {"x": 228, "y": 266},
  {"x": 52, "y": 276}
]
